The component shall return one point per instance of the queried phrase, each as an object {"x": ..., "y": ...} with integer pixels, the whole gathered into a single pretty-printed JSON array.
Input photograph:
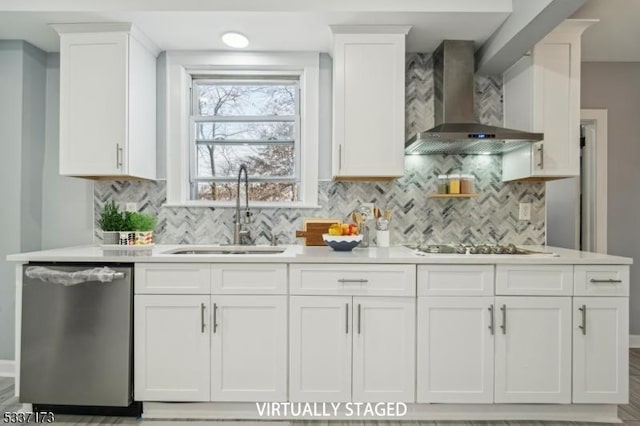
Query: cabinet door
[
  {"x": 362, "y": 98},
  {"x": 542, "y": 94},
  {"x": 533, "y": 350},
  {"x": 93, "y": 103},
  {"x": 249, "y": 348},
  {"x": 556, "y": 111},
  {"x": 455, "y": 349},
  {"x": 600, "y": 350},
  {"x": 384, "y": 349},
  {"x": 171, "y": 342},
  {"x": 320, "y": 348}
]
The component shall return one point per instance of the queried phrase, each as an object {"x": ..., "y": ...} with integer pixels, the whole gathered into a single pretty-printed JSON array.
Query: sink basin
[{"x": 237, "y": 249}]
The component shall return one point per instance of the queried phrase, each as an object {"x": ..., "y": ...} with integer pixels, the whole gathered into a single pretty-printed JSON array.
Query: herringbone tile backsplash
[{"x": 492, "y": 217}]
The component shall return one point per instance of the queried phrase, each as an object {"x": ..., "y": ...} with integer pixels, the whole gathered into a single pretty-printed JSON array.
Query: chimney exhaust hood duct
[{"x": 456, "y": 131}]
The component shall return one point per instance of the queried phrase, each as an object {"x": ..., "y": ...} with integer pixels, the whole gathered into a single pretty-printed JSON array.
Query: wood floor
[{"x": 629, "y": 413}]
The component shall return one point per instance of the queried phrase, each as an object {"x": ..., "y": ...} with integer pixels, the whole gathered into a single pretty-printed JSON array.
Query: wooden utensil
[{"x": 313, "y": 230}]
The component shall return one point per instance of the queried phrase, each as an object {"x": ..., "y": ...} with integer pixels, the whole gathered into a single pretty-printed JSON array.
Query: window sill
[{"x": 232, "y": 205}]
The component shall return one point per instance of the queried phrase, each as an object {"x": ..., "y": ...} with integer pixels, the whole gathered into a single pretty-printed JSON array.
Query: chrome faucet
[{"x": 240, "y": 235}]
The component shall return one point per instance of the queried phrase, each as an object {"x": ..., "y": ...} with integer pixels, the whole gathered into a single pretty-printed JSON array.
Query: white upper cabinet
[
  {"x": 107, "y": 101},
  {"x": 368, "y": 102},
  {"x": 542, "y": 94}
]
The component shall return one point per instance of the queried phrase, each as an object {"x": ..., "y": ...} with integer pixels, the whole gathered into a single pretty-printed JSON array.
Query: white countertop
[{"x": 302, "y": 254}]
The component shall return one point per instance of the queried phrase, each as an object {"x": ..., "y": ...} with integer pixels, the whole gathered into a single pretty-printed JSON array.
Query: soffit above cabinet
[{"x": 272, "y": 25}]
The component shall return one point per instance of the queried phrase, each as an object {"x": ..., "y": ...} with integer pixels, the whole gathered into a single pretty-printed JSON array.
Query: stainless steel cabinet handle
[
  {"x": 346, "y": 318},
  {"x": 118, "y": 156},
  {"x": 593, "y": 280},
  {"x": 503, "y": 308},
  {"x": 583, "y": 309},
  {"x": 541, "y": 151},
  {"x": 359, "y": 308},
  {"x": 202, "y": 318},
  {"x": 491, "y": 320},
  {"x": 357, "y": 280},
  {"x": 215, "y": 317},
  {"x": 339, "y": 157}
]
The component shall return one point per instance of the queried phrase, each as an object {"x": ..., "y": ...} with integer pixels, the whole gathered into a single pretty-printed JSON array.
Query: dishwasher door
[{"x": 77, "y": 340}]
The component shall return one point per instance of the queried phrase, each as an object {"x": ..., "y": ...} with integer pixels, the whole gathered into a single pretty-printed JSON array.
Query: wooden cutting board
[{"x": 313, "y": 230}]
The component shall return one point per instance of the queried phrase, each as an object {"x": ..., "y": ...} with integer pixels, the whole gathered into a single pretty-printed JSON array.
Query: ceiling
[
  {"x": 284, "y": 25},
  {"x": 615, "y": 37}
]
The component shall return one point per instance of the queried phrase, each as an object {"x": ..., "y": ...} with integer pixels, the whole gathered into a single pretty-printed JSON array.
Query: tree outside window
[{"x": 255, "y": 122}]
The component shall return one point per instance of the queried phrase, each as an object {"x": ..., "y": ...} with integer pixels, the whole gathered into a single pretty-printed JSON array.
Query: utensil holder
[{"x": 382, "y": 238}]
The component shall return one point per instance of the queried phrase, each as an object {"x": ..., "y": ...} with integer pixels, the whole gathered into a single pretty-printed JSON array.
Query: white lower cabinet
[
  {"x": 600, "y": 350},
  {"x": 553, "y": 334},
  {"x": 320, "y": 348},
  {"x": 249, "y": 348},
  {"x": 455, "y": 349},
  {"x": 171, "y": 348},
  {"x": 383, "y": 349},
  {"x": 533, "y": 350},
  {"x": 326, "y": 332},
  {"x": 210, "y": 348}
]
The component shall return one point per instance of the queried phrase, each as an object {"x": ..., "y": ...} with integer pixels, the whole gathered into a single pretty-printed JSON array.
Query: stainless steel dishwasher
[{"x": 76, "y": 341}]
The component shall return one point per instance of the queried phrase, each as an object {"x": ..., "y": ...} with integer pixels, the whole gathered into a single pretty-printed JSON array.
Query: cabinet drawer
[
  {"x": 172, "y": 278},
  {"x": 455, "y": 280},
  {"x": 601, "y": 280},
  {"x": 350, "y": 279},
  {"x": 249, "y": 278},
  {"x": 534, "y": 280}
]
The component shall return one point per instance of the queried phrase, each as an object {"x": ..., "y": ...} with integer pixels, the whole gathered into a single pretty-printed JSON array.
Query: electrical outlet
[
  {"x": 525, "y": 211},
  {"x": 131, "y": 207},
  {"x": 369, "y": 207}
]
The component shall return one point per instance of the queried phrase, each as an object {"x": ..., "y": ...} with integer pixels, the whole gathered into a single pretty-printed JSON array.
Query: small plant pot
[
  {"x": 110, "y": 237},
  {"x": 144, "y": 238},
  {"x": 127, "y": 238}
]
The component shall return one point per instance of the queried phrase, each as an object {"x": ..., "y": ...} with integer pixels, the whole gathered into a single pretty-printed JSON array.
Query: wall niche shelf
[{"x": 435, "y": 195}]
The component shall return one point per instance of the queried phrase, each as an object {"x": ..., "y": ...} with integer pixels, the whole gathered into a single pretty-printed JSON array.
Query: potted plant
[
  {"x": 140, "y": 228},
  {"x": 111, "y": 221}
]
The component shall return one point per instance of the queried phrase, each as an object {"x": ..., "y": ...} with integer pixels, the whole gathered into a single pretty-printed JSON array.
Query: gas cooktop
[{"x": 470, "y": 249}]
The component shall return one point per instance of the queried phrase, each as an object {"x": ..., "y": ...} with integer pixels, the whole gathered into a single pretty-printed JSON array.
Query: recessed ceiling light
[{"x": 235, "y": 39}]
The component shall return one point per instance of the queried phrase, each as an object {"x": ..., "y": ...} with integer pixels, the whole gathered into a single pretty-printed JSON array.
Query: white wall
[
  {"x": 67, "y": 203},
  {"x": 615, "y": 86},
  {"x": 562, "y": 203},
  {"x": 33, "y": 119},
  {"x": 326, "y": 121},
  {"x": 10, "y": 151},
  {"x": 41, "y": 208},
  {"x": 22, "y": 84}
]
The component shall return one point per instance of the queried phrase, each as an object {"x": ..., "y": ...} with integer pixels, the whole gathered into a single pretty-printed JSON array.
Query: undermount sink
[{"x": 235, "y": 249}]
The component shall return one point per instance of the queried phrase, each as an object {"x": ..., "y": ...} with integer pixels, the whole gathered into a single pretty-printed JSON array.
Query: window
[
  {"x": 252, "y": 121},
  {"x": 269, "y": 120}
]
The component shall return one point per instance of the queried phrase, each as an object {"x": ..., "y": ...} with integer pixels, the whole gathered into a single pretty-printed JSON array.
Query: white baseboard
[
  {"x": 583, "y": 413},
  {"x": 8, "y": 368},
  {"x": 634, "y": 341}
]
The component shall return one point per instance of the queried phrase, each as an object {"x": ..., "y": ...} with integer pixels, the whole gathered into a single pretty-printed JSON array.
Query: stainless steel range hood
[{"x": 456, "y": 131}]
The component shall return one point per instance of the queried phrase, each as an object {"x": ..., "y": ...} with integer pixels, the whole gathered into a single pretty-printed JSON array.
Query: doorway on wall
[
  {"x": 593, "y": 180},
  {"x": 577, "y": 207}
]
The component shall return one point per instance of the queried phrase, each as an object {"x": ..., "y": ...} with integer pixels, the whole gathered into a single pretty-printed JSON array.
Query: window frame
[
  {"x": 261, "y": 78},
  {"x": 181, "y": 66}
]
